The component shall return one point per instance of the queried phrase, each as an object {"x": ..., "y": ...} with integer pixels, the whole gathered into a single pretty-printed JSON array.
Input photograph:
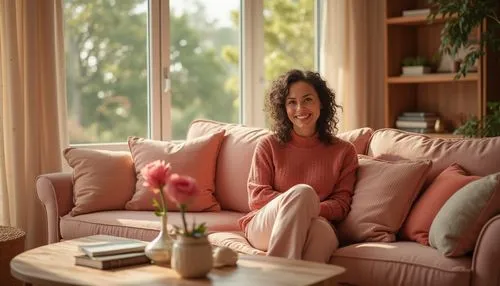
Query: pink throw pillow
[
  {"x": 195, "y": 158},
  {"x": 102, "y": 180},
  {"x": 383, "y": 195},
  {"x": 418, "y": 223}
]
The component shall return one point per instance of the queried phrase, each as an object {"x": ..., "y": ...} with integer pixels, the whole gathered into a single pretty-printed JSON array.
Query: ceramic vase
[
  {"x": 160, "y": 249},
  {"x": 192, "y": 257}
]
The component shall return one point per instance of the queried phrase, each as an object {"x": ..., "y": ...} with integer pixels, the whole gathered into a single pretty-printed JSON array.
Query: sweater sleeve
[
  {"x": 261, "y": 176},
  {"x": 338, "y": 204}
]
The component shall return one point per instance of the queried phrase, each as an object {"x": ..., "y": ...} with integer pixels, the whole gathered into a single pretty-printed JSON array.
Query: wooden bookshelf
[
  {"x": 413, "y": 20},
  {"x": 430, "y": 78},
  {"x": 453, "y": 100}
]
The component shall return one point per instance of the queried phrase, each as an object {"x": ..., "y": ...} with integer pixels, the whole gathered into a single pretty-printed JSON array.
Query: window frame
[{"x": 251, "y": 69}]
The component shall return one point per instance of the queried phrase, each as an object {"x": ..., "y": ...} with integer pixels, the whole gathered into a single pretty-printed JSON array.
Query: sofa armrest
[
  {"x": 485, "y": 264},
  {"x": 55, "y": 191}
]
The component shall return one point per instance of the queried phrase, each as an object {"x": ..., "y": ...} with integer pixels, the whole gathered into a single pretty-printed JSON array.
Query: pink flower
[
  {"x": 181, "y": 189},
  {"x": 156, "y": 174}
]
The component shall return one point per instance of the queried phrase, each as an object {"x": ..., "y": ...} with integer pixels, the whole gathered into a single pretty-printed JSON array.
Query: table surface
[{"x": 54, "y": 264}]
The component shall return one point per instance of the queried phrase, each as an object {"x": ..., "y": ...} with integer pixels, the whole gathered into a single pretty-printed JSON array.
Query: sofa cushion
[
  {"x": 235, "y": 157},
  {"x": 233, "y": 162},
  {"x": 143, "y": 225},
  {"x": 102, "y": 180},
  {"x": 358, "y": 137},
  {"x": 234, "y": 240},
  {"x": 425, "y": 209},
  {"x": 196, "y": 158},
  {"x": 399, "y": 263},
  {"x": 455, "y": 229},
  {"x": 383, "y": 195},
  {"x": 478, "y": 156}
]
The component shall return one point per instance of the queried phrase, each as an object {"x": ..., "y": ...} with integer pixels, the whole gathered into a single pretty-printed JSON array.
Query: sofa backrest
[
  {"x": 233, "y": 162},
  {"x": 235, "y": 157},
  {"x": 478, "y": 156}
]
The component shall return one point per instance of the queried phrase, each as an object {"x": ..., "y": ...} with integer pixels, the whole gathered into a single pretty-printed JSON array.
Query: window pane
[
  {"x": 204, "y": 56},
  {"x": 106, "y": 66},
  {"x": 289, "y": 33}
]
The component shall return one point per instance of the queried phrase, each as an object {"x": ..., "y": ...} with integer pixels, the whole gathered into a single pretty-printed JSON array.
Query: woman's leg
[
  {"x": 281, "y": 226},
  {"x": 321, "y": 241}
]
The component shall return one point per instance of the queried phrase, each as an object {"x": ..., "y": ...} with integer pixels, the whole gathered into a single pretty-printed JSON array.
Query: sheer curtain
[
  {"x": 352, "y": 54},
  {"x": 32, "y": 108}
]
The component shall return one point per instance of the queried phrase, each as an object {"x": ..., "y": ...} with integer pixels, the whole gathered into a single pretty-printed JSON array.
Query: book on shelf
[
  {"x": 415, "y": 124},
  {"x": 417, "y": 118},
  {"x": 419, "y": 114},
  {"x": 112, "y": 261},
  {"x": 417, "y": 12},
  {"x": 113, "y": 247}
]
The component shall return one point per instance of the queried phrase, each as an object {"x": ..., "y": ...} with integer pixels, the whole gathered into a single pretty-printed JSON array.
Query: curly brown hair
[{"x": 276, "y": 110}]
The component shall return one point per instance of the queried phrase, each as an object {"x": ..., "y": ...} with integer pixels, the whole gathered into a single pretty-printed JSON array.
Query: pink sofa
[{"x": 369, "y": 263}]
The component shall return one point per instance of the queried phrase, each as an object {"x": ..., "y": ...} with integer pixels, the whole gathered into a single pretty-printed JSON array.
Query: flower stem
[
  {"x": 183, "y": 214},
  {"x": 163, "y": 206}
]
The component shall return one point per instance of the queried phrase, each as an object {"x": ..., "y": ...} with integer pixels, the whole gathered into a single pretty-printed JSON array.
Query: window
[
  {"x": 204, "y": 48},
  {"x": 149, "y": 67},
  {"x": 106, "y": 69},
  {"x": 289, "y": 36}
]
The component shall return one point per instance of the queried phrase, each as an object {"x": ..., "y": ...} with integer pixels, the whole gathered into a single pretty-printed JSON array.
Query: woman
[{"x": 302, "y": 176}]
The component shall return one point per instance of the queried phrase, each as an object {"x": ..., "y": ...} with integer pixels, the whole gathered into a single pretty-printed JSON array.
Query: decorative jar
[{"x": 192, "y": 256}]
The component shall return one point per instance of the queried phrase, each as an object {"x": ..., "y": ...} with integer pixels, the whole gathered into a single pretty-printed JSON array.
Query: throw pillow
[
  {"x": 423, "y": 212},
  {"x": 102, "y": 180},
  {"x": 457, "y": 225},
  {"x": 196, "y": 158},
  {"x": 383, "y": 195}
]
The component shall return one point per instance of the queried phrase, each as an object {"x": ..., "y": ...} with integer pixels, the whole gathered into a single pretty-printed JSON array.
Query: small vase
[
  {"x": 160, "y": 249},
  {"x": 192, "y": 257}
]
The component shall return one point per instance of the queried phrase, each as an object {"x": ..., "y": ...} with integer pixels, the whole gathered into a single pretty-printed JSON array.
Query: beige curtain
[
  {"x": 32, "y": 108},
  {"x": 352, "y": 59}
]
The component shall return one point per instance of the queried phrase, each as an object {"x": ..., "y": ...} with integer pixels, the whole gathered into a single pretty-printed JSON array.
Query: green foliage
[
  {"x": 488, "y": 127},
  {"x": 196, "y": 230},
  {"x": 288, "y": 37},
  {"x": 461, "y": 17}
]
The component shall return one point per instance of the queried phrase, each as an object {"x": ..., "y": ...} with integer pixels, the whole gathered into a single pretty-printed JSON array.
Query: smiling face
[{"x": 303, "y": 108}]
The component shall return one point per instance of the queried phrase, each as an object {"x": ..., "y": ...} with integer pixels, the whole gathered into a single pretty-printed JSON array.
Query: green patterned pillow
[{"x": 457, "y": 225}]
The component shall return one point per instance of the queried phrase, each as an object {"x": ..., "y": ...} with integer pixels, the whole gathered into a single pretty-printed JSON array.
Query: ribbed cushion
[
  {"x": 143, "y": 225},
  {"x": 400, "y": 263},
  {"x": 383, "y": 196}
]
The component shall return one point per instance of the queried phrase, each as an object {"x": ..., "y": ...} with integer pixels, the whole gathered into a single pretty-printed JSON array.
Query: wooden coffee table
[{"x": 53, "y": 264}]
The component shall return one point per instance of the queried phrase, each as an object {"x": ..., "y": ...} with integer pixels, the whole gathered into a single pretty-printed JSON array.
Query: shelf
[
  {"x": 430, "y": 78},
  {"x": 413, "y": 20}
]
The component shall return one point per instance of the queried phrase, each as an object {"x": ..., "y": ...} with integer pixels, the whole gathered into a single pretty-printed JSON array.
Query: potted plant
[
  {"x": 416, "y": 66},
  {"x": 488, "y": 127},
  {"x": 191, "y": 251},
  {"x": 461, "y": 17}
]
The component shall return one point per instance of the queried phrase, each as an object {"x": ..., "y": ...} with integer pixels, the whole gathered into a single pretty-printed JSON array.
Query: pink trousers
[{"x": 290, "y": 226}]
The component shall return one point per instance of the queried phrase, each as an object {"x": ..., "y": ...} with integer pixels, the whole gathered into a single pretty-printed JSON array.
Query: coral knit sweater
[{"x": 329, "y": 169}]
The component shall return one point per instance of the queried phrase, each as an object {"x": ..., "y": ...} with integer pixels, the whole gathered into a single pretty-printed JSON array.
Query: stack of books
[
  {"x": 418, "y": 122},
  {"x": 112, "y": 254}
]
